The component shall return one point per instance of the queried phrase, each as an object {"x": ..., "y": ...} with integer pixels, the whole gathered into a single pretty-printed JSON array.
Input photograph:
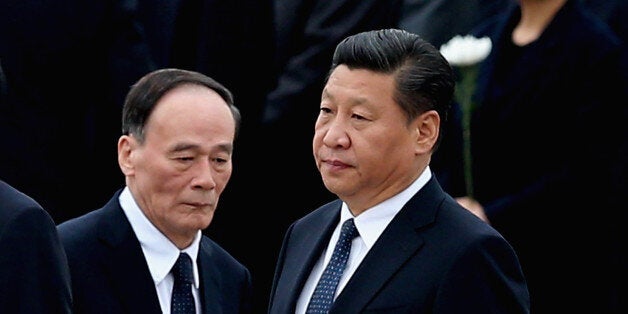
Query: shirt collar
[
  {"x": 372, "y": 222},
  {"x": 159, "y": 251}
]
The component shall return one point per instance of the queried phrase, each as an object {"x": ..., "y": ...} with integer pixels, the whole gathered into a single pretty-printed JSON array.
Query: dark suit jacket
[
  {"x": 434, "y": 257},
  {"x": 34, "y": 274},
  {"x": 110, "y": 274}
]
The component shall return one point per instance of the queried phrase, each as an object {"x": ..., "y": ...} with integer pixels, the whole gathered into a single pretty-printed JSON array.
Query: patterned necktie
[
  {"x": 325, "y": 290},
  {"x": 182, "y": 298}
]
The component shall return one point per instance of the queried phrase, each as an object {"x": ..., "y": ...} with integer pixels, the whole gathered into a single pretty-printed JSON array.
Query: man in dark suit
[
  {"x": 210, "y": 36},
  {"x": 175, "y": 152},
  {"x": 417, "y": 251},
  {"x": 305, "y": 34},
  {"x": 34, "y": 275}
]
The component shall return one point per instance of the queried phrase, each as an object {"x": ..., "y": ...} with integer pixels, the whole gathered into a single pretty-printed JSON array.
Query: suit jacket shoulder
[
  {"x": 110, "y": 273},
  {"x": 433, "y": 257},
  {"x": 34, "y": 275},
  {"x": 108, "y": 269}
]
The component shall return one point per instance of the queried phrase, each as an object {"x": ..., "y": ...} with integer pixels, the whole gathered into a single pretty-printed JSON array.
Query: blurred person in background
[
  {"x": 437, "y": 21},
  {"x": 68, "y": 65},
  {"x": 546, "y": 140}
]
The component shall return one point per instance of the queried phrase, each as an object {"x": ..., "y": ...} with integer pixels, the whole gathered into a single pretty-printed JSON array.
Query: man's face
[
  {"x": 179, "y": 172},
  {"x": 364, "y": 147}
]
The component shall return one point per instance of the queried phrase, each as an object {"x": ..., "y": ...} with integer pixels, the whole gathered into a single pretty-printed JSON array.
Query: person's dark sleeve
[{"x": 35, "y": 275}]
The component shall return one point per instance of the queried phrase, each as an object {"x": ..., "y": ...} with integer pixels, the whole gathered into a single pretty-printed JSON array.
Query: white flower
[
  {"x": 466, "y": 50},
  {"x": 464, "y": 53}
]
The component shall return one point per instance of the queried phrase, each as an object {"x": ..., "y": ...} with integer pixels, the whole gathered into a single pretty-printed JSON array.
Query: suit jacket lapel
[
  {"x": 209, "y": 274},
  {"x": 124, "y": 261},
  {"x": 400, "y": 241},
  {"x": 311, "y": 245}
]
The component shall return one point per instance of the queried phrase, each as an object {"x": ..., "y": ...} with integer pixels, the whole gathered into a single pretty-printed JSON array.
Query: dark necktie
[
  {"x": 182, "y": 298},
  {"x": 323, "y": 296}
]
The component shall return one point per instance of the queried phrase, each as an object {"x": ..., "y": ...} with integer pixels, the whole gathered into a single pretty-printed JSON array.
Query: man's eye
[
  {"x": 220, "y": 160},
  {"x": 358, "y": 117}
]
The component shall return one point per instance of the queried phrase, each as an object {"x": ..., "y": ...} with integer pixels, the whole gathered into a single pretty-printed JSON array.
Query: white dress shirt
[
  {"x": 160, "y": 252},
  {"x": 370, "y": 224}
]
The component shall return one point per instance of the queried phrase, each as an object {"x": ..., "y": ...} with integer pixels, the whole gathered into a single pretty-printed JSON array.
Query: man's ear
[
  {"x": 126, "y": 147},
  {"x": 427, "y": 127}
]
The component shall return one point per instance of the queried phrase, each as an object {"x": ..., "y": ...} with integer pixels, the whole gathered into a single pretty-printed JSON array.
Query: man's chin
[{"x": 200, "y": 221}]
